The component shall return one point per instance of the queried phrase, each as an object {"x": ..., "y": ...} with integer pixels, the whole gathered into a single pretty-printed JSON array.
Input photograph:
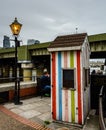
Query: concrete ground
[{"x": 38, "y": 110}]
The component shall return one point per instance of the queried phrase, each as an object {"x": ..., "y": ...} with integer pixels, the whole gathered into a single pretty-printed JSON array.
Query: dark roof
[{"x": 68, "y": 40}]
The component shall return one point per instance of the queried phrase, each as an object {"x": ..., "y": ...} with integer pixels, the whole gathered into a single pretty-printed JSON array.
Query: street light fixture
[{"x": 15, "y": 28}]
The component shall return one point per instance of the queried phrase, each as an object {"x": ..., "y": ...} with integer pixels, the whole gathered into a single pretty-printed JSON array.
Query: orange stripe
[
  {"x": 66, "y": 105},
  {"x": 54, "y": 85},
  {"x": 65, "y": 59},
  {"x": 79, "y": 88},
  {"x": 66, "y": 91}
]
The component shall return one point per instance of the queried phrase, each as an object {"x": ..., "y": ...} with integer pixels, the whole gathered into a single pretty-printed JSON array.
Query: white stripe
[
  {"x": 57, "y": 93},
  {"x": 63, "y": 106},
  {"x": 69, "y": 106},
  {"x": 69, "y": 91}
]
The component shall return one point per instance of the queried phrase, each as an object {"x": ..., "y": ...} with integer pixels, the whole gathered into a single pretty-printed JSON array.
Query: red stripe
[
  {"x": 54, "y": 85},
  {"x": 79, "y": 88}
]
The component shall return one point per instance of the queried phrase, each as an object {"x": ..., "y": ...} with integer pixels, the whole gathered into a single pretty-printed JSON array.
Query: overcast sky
[{"x": 43, "y": 20}]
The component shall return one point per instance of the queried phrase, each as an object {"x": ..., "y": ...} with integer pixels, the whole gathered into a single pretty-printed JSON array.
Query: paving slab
[
  {"x": 29, "y": 114},
  {"x": 92, "y": 123}
]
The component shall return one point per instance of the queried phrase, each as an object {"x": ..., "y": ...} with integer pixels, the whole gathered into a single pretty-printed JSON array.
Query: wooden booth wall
[{"x": 67, "y": 104}]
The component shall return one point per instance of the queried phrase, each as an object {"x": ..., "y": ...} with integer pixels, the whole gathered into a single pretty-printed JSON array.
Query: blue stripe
[{"x": 59, "y": 86}]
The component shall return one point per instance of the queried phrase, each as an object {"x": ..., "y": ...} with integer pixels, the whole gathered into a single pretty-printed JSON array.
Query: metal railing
[
  {"x": 101, "y": 118},
  {"x": 12, "y": 79}
]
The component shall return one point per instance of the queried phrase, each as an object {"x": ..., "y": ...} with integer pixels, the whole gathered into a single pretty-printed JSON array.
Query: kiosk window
[
  {"x": 68, "y": 78},
  {"x": 86, "y": 77}
]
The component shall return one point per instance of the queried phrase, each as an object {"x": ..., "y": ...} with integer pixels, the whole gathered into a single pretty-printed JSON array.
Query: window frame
[
  {"x": 72, "y": 88},
  {"x": 86, "y": 77}
]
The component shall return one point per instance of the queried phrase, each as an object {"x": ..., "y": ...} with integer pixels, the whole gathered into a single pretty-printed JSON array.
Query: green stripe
[
  {"x": 72, "y": 106},
  {"x": 72, "y": 59},
  {"x": 72, "y": 92}
]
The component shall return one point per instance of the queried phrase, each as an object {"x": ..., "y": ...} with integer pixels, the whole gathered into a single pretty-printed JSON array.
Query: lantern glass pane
[{"x": 15, "y": 27}]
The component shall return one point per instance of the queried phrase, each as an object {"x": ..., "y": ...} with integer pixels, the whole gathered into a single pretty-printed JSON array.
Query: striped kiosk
[{"x": 70, "y": 78}]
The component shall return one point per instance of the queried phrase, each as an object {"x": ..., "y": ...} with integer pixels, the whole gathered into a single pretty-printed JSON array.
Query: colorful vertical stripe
[
  {"x": 53, "y": 68},
  {"x": 79, "y": 88},
  {"x": 66, "y": 91},
  {"x": 72, "y": 92},
  {"x": 59, "y": 86}
]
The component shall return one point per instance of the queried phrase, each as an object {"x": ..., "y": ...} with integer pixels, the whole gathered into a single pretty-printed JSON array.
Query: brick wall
[{"x": 23, "y": 92}]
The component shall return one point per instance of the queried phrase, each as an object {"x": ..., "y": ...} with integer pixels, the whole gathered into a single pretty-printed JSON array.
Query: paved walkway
[
  {"x": 9, "y": 123},
  {"x": 34, "y": 112}
]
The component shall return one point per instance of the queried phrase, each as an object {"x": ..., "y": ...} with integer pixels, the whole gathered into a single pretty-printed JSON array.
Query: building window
[
  {"x": 86, "y": 77},
  {"x": 68, "y": 78}
]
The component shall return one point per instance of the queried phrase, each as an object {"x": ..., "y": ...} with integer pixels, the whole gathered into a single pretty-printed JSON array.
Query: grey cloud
[{"x": 44, "y": 19}]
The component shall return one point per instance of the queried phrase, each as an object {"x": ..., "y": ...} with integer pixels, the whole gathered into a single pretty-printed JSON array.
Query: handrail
[
  {"x": 18, "y": 78},
  {"x": 101, "y": 119}
]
